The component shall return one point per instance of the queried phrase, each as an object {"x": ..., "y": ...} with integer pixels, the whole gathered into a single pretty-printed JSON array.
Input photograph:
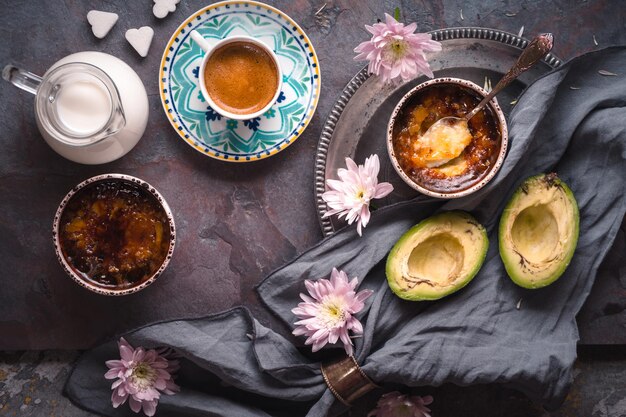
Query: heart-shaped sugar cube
[
  {"x": 140, "y": 39},
  {"x": 101, "y": 22}
]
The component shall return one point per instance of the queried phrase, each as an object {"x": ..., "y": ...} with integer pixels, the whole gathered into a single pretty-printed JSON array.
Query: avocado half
[
  {"x": 539, "y": 231},
  {"x": 436, "y": 257}
]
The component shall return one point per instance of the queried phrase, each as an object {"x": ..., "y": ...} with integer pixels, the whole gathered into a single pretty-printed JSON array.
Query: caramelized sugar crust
[{"x": 114, "y": 234}]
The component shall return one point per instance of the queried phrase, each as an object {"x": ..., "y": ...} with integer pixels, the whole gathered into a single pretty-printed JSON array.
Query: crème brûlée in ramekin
[{"x": 449, "y": 160}]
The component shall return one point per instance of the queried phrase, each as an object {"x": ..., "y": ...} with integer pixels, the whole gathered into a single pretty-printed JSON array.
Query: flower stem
[{"x": 396, "y": 14}]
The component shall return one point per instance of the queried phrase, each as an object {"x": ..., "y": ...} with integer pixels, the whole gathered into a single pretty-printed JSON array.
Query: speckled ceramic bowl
[
  {"x": 491, "y": 171},
  {"x": 91, "y": 285}
]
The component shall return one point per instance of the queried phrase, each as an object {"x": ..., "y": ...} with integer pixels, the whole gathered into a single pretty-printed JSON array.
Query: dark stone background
[{"x": 235, "y": 222}]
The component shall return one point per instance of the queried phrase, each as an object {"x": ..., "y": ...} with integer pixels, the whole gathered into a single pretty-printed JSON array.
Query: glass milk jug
[{"x": 90, "y": 107}]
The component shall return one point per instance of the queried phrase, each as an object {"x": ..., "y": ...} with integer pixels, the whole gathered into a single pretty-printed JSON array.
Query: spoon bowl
[{"x": 444, "y": 141}]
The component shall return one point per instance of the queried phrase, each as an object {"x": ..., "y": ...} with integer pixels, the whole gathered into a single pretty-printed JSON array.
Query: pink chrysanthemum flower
[
  {"x": 351, "y": 195},
  {"x": 395, "y": 404},
  {"x": 142, "y": 376},
  {"x": 328, "y": 314},
  {"x": 395, "y": 51}
]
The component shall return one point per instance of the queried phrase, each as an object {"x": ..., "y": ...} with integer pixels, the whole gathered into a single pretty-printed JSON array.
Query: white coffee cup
[{"x": 208, "y": 49}]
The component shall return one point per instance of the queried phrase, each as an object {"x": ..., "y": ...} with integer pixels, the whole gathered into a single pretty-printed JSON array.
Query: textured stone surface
[
  {"x": 235, "y": 222},
  {"x": 30, "y": 385}
]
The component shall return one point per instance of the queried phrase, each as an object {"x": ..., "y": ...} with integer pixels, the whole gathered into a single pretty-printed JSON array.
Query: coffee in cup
[{"x": 240, "y": 76}]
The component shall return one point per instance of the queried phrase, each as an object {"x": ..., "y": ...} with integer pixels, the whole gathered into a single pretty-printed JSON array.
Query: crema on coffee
[{"x": 241, "y": 77}]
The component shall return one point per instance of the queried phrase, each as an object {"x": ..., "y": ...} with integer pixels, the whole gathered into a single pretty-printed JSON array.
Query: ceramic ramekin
[
  {"x": 89, "y": 285},
  {"x": 493, "y": 104}
]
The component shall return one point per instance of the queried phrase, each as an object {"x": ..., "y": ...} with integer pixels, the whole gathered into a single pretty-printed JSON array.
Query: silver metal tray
[{"x": 357, "y": 123}]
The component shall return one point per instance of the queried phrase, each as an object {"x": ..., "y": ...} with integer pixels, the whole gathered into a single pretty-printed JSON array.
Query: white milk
[
  {"x": 134, "y": 102},
  {"x": 84, "y": 106}
]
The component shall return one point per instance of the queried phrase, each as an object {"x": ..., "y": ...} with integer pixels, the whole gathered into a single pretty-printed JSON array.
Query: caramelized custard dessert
[
  {"x": 450, "y": 158},
  {"x": 114, "y": 234}
]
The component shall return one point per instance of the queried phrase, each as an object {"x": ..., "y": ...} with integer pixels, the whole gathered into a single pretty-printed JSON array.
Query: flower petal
[
  {"x": 134, "y": 404},
  {"x": 383, "y": 189},
  {"x": 126, "y": 352},
  {"x": 149, "y": 408},
  {"x": 112, "y": 373}
]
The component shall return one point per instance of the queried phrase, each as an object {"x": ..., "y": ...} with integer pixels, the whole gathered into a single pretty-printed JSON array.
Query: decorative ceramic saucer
[{"x": 231, "y": 140}]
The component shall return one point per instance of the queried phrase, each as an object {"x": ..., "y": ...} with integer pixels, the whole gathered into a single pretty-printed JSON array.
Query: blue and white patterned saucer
[{"x": 231, "y": 140}]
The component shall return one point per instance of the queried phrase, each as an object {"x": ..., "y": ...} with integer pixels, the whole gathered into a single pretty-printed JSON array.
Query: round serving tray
[{"x": 357, "y": 123}]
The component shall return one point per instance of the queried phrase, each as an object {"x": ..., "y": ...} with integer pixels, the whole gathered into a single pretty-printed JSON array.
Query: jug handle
[{"x": 25, "y": 80}]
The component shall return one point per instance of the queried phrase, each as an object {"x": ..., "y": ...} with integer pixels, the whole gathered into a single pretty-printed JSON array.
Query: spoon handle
[{"x": 534, "y": 52}]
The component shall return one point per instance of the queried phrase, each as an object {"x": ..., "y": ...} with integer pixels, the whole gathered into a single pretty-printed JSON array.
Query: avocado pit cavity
[
  {"x": 436, "y": 261},
  {"x": 535, "y": 233}
]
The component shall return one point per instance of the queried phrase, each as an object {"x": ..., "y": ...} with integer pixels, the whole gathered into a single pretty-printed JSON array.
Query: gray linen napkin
[{"x": 234, "y": 366}]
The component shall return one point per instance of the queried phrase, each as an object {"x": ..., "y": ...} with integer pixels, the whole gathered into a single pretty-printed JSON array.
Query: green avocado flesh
[
  {"x": 539, "y": 231},
  {"x": 437, "y": 257}
]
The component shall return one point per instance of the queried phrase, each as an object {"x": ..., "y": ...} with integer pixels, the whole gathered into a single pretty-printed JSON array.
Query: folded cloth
[{"x": 476, "y": 336}]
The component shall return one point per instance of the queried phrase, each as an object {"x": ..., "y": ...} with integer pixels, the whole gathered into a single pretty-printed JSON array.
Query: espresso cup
[{"x": 210, "y": 50}]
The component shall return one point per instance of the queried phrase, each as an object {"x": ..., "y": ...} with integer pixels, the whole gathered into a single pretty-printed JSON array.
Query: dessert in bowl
[
  {"x": 447, "y": 162},
  {"x": 114, "y": 234}
]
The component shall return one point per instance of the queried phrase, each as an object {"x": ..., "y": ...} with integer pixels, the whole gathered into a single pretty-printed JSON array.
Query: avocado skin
[
  {"x": 509, "y": 264},
  {"x": 391, "y": 258}
]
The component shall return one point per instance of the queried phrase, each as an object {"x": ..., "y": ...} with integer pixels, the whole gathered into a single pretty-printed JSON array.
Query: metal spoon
[{"x": 534, "y": 52}]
